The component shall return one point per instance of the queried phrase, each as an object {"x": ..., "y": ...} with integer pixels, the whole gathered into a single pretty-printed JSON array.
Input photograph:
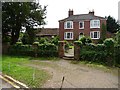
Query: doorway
[{"x": 69, "y": 49}]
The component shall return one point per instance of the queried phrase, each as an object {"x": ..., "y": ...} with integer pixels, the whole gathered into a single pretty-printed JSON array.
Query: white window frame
[
  {"x": 71, "y": 25},
  {"x": 82, "y": 23},
  {"x": 92, "y": 34},
  {"x": 94, "y": 23},
  {"x": 81, "y": 36},
  {"x": 71, "y": 36}
]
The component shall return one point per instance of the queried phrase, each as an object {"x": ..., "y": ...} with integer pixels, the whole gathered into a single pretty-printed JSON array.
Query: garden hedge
[
  {"x": 48, "y": 49},
  {"x": 101, "y": 53}
]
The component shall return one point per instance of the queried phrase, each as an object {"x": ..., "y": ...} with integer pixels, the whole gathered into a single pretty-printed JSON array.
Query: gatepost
[
  {"x": 77, "y": 50},
  {"x": 61, "y": 48}
]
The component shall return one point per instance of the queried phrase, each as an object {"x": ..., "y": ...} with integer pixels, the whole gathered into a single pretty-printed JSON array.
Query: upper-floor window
[
  {"x": 95, "y": 24},
  {"x": 68, "y": 25},
  {"x": 81, "y": 25}
]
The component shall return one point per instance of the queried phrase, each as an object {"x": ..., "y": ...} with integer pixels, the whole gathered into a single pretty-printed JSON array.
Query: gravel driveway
[{"x": 75, "y": 76}]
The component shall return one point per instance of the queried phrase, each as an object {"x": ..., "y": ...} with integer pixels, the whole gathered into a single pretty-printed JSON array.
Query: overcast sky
[{"x": 58, "y": 9}]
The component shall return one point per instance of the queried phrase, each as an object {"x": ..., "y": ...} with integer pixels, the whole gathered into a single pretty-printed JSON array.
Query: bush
[
  {"x": 21, "y": 50},
  {"x": 36, "y": 43},
  {"x": 86, "y": 40},
  {"x": 6, "y": 39},
  {"x": 47, "y": 49},
  {"x": 93, "y": 53},
  {"x": 117, "y": 55},
  {"x": 43, "y": 40},
  {"x": 55, "y": 40},
  {"x": 109, "y": 42},
  {"x": 19, "y": 43},
  {"x": 66, "y": 46},
  {"x": 100, "y": 47},
  {"x": 79, "y": 43}
]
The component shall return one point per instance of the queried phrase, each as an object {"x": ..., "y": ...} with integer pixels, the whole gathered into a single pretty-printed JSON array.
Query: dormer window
[
  {"x": 81, "y": 25},
  {"x": 68, "y": 25},
  {"x": 95, "y": 24}
]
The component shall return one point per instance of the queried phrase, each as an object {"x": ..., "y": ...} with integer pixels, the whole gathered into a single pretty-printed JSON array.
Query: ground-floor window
[
  {"x": 81, "y": 35},
  {"x": 95, "y": 34},
  {"x": 68, "y": 35}
]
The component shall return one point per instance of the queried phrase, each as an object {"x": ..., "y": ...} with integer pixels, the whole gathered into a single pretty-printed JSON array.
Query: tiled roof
[
  {"x": 47, "y": 31},
  {"x": 82, "y": 17}
]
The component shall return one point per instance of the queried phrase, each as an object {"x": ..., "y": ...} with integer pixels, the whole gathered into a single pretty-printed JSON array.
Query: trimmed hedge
[
  {"x": 48, "y": 49},
  {"x": 101, "y": 53},
  {"x": 93, "y": 53}
]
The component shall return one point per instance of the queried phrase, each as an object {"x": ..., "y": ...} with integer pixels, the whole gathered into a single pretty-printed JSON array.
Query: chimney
[
  {"x": 91, "y": 12},
  {"x": 70, "y": 12}
]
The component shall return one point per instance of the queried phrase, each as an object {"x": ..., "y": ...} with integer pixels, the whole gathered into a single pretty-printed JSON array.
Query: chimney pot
[
  {"x": 70, "y": 12},
  {"x": 91, "y": 12}
]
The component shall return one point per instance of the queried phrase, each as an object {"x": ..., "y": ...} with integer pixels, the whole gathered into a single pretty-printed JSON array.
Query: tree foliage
[
  {"x": 16, "y": 15},
  {"x": 112, "y": 25},
  {"x": 117, "y": 38},
  {"x": 104, "y": 31}
]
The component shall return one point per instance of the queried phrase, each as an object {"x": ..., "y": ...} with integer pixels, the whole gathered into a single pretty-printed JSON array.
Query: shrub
[
  {"x": 6, "y": 39},
  {"x": 117, "y": 55},
  {"x": 36, "y": 43},
  {"x": 117, "y": 37},
  {"x": 100, "y": 47},
  {"x": 86, "y": 40},
  {"x": 79, "y": 43},
  {"x": 109, "y": 42},
  {"x": 93, "y": 53},
  {"x": 19, "y": 43},
  {"x": 21, "y": 50},
  {"x": 66, "y": 46},
  {"x": 47, "y": 49},
  {"x": 55, "y": 40},
  {"x": 43, "y": 40}
]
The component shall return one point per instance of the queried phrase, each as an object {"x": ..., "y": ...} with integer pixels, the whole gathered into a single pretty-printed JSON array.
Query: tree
[
  {"x": 29, "y": 36},
  {"x": 21, "y": 14},
  {"x": 104, "y": 31},
  {"x": 112, "y": 25},
  {"x": 117, "y": 37}
]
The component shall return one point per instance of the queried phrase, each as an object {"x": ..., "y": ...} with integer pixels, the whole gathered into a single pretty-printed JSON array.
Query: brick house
[{"x": 75, "y": 26}]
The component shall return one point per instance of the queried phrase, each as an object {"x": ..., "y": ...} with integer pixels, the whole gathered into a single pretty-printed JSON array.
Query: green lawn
[{"x": 15, "y": 67}]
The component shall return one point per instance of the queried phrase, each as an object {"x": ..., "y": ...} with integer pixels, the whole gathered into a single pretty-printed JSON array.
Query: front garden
[{"x": 15, "y": 67}]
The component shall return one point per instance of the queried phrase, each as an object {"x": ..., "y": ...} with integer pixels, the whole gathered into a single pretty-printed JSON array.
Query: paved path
[
  {"x": 70, "y": 52},
  {"x": 76, "y": 76}
]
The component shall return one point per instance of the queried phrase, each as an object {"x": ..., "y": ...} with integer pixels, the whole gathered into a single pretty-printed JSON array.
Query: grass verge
[{"x": 13, "y": 66}]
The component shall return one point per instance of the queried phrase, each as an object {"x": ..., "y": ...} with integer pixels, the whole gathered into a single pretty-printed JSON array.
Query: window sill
[
  {"x": 68, "y": 28},
  {"x": 95, "y": 38},
  {"x": 94, "y": 27},
  {"x": 81, "y": 28},
  {"x": 68, "y": 39}
]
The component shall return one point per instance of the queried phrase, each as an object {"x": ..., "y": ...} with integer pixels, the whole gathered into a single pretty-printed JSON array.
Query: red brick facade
[{"x": 76, "y": 31}]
